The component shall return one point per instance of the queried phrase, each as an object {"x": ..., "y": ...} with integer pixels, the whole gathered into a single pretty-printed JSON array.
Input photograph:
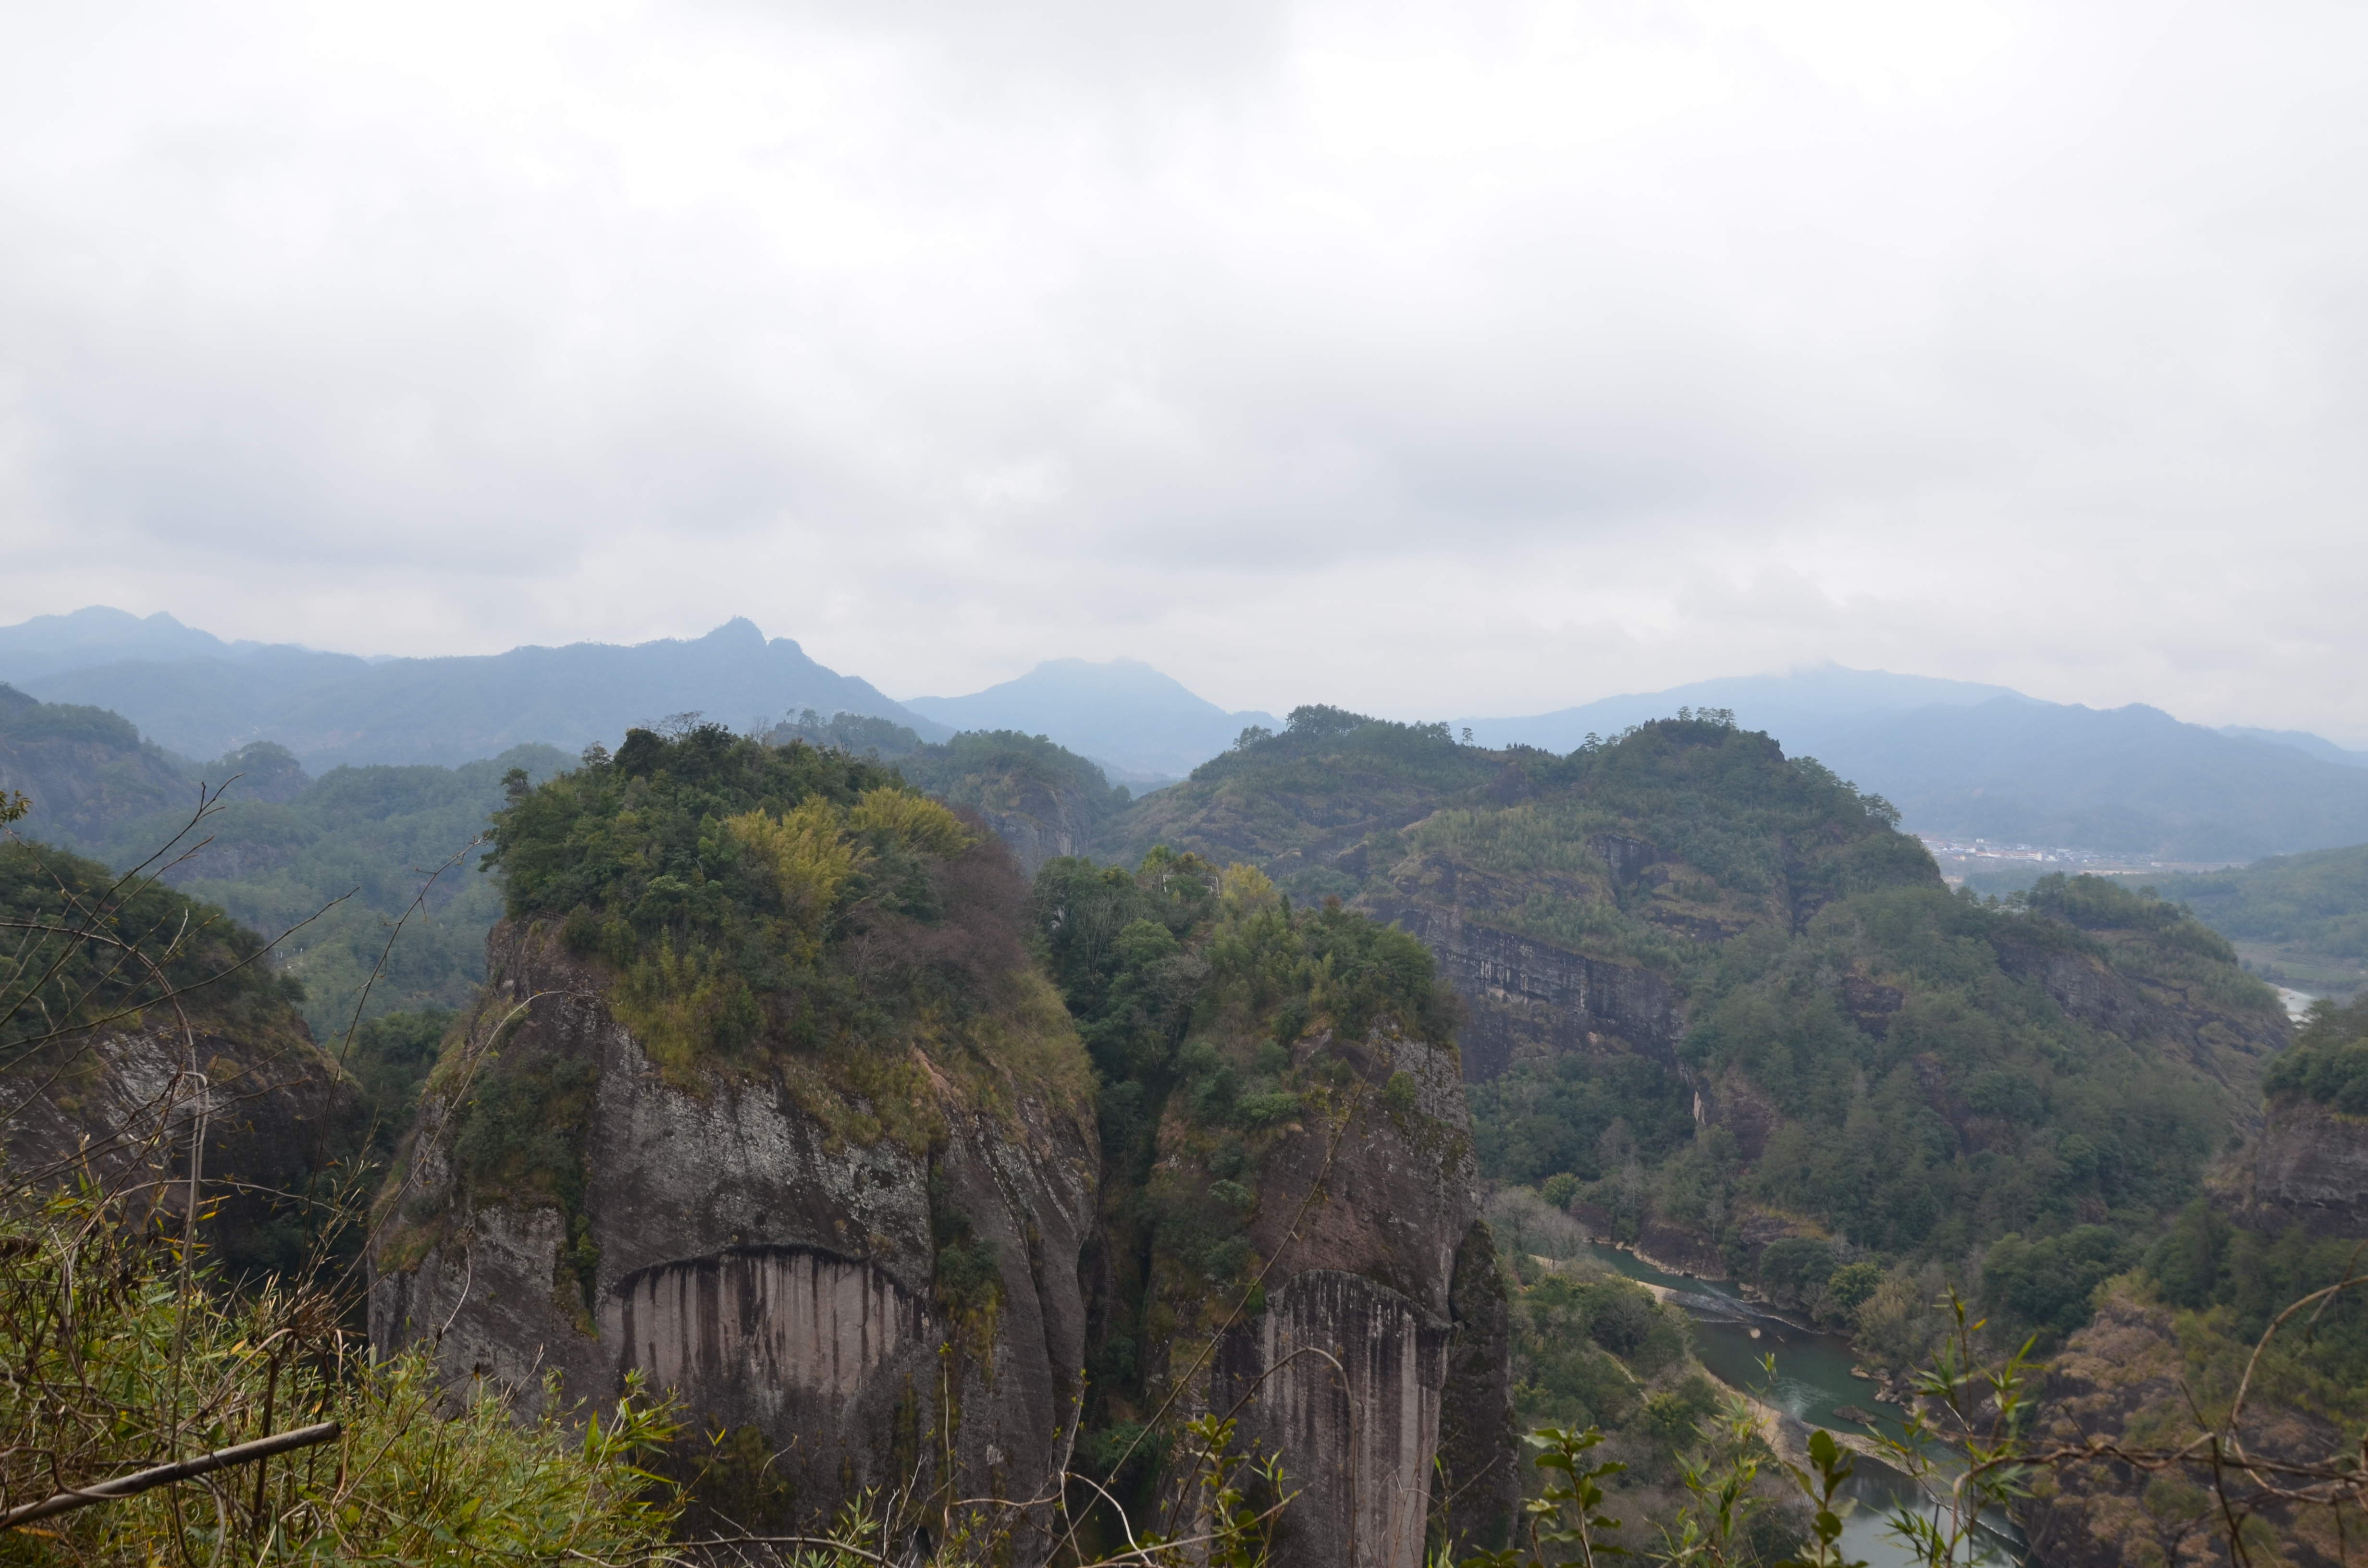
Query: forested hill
[
  {"x": 1719, "y": 996},
  {"x": 2301, "y": 919},
  {"x": 331, "y": 708}
]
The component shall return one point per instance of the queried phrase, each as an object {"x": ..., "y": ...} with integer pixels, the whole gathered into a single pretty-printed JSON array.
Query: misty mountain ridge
[
  {"x": 97, "y": 635},
  {"x": 1142, "y": 726},
  {"x": 1784, "y": 705},
  {"x": 2302, "y": 740},
  {"x": 333, "y": 709},
  {"x": 1958, "y": 758},
  {"x": 1966, "y": 759}
]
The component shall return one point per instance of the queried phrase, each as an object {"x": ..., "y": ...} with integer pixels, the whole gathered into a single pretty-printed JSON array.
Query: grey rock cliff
[
  {"x": 1038, "y": 821},
  {"x": 1532, "y": 1000},
  {"x": 126, "y": 1111},
  {"x": 773, "y": 1274},
  {"x": 1380, "y": 1288},
  {"x": 2310, "y": 1168}
]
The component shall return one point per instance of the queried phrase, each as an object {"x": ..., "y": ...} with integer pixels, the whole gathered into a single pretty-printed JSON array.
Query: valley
[{"x": 1307, "y": 1048}]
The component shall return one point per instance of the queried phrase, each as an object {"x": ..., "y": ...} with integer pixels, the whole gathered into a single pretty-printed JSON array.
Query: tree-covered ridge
[
  {"x": 1320, "y": 785},
  {"x": 991, "y": 769},
  {"x": 1653, "y": 847},
  {"x": 84, "y": 769},
  {"x": 1894, "y": 1075},
  {"x": 86, "y": 948},
  {"x": 1225, "y": 1023},
  {"x": 338, "y": 860},
  {"x": 2329, "y": 1063},
  {"x": 753, "y": 898}
]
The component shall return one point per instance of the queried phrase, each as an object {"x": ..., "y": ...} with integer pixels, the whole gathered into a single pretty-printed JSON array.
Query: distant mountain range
[
  {"x": 199, "y": 696},
  {"x": 1966, "y": 759},
  {"x": 1805, "y": 702},
  {"x": 1957, "y": 758},
  {"x": 1142, "y": 726}
]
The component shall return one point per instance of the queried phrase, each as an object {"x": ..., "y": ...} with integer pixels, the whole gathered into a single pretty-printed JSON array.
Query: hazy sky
[{"x": 1436, "y": 360}]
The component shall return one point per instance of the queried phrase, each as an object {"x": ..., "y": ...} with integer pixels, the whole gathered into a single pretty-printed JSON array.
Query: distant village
[{"x": 2025, "y": 863}]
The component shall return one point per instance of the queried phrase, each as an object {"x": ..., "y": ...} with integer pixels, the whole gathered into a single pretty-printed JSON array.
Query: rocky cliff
[
  {"x": 1044, "y": 801},
  {"x": 765, "y": 1246},
  {"x": 1529, "y": 1000},
  {"x": 1381, "y": 1281},
  {"x": 137, "y": 1020},
  {"x": 2133, "y": 1377},
  {"x": 1291, "y": 1234},
  {"x": 2309, "y": 1168},
  {"x": 765, "y": 1102},
  {"x": 2284, "y": 1211}
]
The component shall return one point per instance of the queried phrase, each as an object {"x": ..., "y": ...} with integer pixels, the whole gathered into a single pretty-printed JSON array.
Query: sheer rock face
[
  {"x": 275, "y": 1107},
  {"x": 2225, "y": 1045},
  {"x": 1037, "y": 820},
  {"x": 2127, "y": 1376},
  {"x": 775, "y": 1276},
  {"x": 1479, "y": 1483},
  {"x": 1532, "y": 1000},
  {"x": 2311, "y": 1169},
  {"x": 1383, "y": 1279}
]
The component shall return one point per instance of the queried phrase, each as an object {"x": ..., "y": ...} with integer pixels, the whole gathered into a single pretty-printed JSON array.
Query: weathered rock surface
[
  {"x": 774, "y": 1274},
  {"x": 124, "y": 1112},
  {"x": 2310, "y": 1168},
  {"x": 1038, "y": 821},
  {"x": 1373, "y": 1296},
  {"x": 1531, "y": 1000},
  {"x": 2226, "y": 1045},
  {"x": 1479, "y": 1483}
]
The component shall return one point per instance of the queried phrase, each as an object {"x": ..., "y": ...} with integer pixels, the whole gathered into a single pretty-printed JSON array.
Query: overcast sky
[{"x": 1434, "y": 359}]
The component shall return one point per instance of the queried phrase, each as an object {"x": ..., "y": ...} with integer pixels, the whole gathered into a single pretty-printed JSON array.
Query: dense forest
[
  {"x": 1769, "y": 1043},
  {"x": 2299, "y": 919},
  {"x": 1866, "y": 1059}
]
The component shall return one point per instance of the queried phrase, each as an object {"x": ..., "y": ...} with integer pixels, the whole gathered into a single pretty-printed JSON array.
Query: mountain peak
[{"x": 1123, "y": 713}]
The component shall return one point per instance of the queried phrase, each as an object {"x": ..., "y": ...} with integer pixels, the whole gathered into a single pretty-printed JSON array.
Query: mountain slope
[
  {"x": 1713, "y": 985},
  {"x": 85, "y": 770},
  {"x": 100, "y": 635},
  {"x": 330, "y": 709},
  {"x": 2305, "y": 915},
  {"x": 2302, "y": 740},
  {"x": 1966, "y": 759},
  {"x": 2132, "y": 779},
  {"x": 1123, "y": 713},
  {"x": 1786, "y": 706}
]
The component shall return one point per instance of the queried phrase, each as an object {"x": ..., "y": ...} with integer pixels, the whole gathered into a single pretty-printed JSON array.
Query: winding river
[{"x": 1813, "y": 1379}]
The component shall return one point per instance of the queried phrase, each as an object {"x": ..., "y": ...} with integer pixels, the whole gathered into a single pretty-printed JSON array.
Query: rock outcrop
[
  {"x": 191, "y": 1043},
  {"x": 127, "y": 1112},
  {"x": 1531, "y": 1000},
  {"x": 2310, "y": 1169},
  {"x": 759, "y": 1245},
  {"x": 2228, "y": 1045},
  {"x": 1382, "y": 1281},
  {"x": 1038, "y": 821}
]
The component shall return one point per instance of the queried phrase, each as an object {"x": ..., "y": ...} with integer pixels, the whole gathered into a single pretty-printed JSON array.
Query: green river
[{"x": 1733, "y": 1337}]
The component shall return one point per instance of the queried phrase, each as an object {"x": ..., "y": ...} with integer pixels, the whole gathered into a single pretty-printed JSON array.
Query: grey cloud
[{"x": 1435, "y": 359}]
